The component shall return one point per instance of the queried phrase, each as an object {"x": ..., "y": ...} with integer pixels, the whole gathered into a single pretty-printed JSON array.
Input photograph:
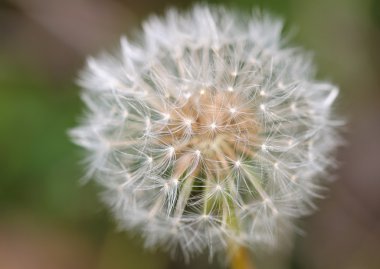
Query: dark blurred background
[{"x": 49, "y": 220}]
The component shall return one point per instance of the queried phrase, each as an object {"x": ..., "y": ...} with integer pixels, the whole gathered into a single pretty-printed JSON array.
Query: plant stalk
[{"x": 241, "y": 259}]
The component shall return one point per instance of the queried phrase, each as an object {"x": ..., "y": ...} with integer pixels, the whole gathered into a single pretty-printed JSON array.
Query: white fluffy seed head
[{"x": 208, "y": 131}]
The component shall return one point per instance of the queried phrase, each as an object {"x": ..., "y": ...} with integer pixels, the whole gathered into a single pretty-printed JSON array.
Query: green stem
[{"x": 241, "y": 259}]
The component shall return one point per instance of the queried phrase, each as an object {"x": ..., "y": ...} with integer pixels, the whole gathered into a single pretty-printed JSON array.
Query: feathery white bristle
[{"x": 208, "y": 131}]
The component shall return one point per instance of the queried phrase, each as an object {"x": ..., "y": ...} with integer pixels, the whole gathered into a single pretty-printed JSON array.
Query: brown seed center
[{"x": 218, "y": 128}]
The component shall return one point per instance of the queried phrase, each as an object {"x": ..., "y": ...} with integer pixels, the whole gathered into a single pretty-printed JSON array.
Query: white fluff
[{"x": 207, "y": 131}]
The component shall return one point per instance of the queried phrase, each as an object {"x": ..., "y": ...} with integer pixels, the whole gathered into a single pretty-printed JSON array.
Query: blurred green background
[{"x": 48, "y": 219}]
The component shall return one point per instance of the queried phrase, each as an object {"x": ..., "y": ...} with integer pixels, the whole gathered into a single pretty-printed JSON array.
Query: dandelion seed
[
  {"x": 175, "y": 181},
  {"x": 233, "y": 110},
  {"x": 263, "y": 147},
  {"x": 166, "y": 116},
  {"x": 171, "y": 150},
  {"x": 218, "y": 187},
  {"x": 281, "y": 85},
  {"x": 188, "y": 122},
  {"x": 187, "y": 95},
  {"x": 186, "y": 186}
]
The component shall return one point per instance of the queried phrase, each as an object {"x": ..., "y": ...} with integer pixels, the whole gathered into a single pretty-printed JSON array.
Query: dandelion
[{"x": 209, "y": 132}]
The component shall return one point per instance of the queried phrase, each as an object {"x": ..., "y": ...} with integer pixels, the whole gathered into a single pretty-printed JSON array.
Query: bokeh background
[{"x": 49, "y": 220}]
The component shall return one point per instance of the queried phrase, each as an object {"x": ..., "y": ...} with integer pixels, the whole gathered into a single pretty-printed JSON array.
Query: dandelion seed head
[{"x": 208, "y": 128}]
